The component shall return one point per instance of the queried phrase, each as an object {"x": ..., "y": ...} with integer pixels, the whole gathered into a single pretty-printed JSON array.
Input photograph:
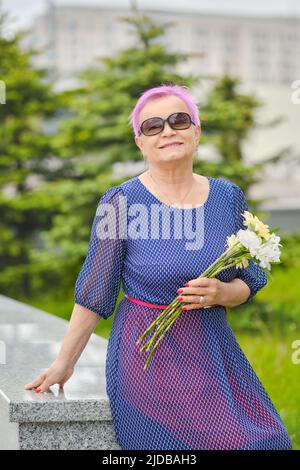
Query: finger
[
  {"x": 35, "y": 383},
  {"x": 199, "y": 282},
  {"x": 193, "y": 291},
  {"x": 193, "y": 296},
  {"x": 62, "y": 383},
  {"x": 44, "y": 387},
  {"x": 195, "y": 306},
  {"x": 192, "y": 306},
  {"x": 194, "y": 299},
  {"x": 30, "y": 386}
]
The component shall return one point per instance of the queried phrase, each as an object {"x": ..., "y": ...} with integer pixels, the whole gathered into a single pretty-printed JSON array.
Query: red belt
[{"x": 145, "y": 304}]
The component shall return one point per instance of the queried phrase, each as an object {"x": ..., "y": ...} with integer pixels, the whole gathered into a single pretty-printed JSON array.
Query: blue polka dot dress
[{"x": 199, "y": 391}]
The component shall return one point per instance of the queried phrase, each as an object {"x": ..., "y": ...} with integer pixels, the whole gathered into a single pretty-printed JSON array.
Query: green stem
[
  {"x": 175, "y": 303},
  {"x": 158, "y": 341},
  {"x": 166, "y": 312},
  {"x": 234, "y": 263},
  {"x": 234, "y": 250},
  {"x": 166, "y": 319},
  {"x": 161, "y": 327},
  {"x": 224, "y": 255},
  {"x": 241, "y": 254},
  {"x": 170, "y": 312}
]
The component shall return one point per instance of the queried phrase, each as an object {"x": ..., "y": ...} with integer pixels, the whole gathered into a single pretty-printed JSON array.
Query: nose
[{"x": 167, "y": 130}]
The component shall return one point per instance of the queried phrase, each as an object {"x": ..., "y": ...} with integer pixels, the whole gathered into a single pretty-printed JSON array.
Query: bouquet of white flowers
[{"x": 256, "y": 242}]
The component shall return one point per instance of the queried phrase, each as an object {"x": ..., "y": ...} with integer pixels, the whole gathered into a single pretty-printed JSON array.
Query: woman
[{"x": 199, "y": 390}]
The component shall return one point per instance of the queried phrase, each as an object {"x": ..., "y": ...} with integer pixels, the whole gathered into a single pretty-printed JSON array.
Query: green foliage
[
  {"x": 24, "y": 149},
  {"x": 290, "y": 256},
  {"x": 270, "y": 355},
  {"x": 63, "y": 248},
  {"x": 227, "y": 118}
]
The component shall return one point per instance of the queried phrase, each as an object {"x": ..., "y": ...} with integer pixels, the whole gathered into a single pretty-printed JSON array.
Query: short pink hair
[{"x": 181, "y": 91}]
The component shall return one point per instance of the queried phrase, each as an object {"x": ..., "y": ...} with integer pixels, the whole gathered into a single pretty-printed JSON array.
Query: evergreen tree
[{"x": 24, "y": 152}]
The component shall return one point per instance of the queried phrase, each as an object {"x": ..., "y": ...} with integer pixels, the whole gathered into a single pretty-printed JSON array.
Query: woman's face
[{"x": 150, "y": 145}]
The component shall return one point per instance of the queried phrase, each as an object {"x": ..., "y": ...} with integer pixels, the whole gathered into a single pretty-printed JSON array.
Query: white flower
[
  {"x": 253, "y": 223},
  {"x": 232, "y": 241},
  {"x": 249, "y": 240},
  {"x": 249, "y": 218},
  {"x": 269, "y": 252},
  {"x": 274, "y": 240}
]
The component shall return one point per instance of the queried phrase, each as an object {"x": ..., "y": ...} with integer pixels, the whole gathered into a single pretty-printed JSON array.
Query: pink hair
[{"x": 164, "y": 90}]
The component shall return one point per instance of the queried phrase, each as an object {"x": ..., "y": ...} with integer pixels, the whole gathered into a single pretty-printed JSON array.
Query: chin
[{"x": 174, "y": 153}]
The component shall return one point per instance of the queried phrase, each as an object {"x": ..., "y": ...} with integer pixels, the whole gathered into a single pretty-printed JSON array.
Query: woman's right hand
[{"x": 58, "y": 373}]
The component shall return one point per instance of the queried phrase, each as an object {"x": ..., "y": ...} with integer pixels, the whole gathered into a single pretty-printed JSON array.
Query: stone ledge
[{"x": 77, "y": 417}]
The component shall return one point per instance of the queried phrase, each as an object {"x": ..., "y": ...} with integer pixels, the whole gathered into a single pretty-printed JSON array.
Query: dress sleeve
[
  {"x": 253, "y": 275},
  {"x": 98, "y": 284}
]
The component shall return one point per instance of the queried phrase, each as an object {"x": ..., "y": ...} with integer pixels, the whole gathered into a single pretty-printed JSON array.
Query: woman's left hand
[{"x": 211, "y": 288}]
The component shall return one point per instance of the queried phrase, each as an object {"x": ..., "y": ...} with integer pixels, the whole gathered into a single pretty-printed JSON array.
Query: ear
[
  {"x": 197, "y": 133},
  {"x": 138, "y": 142}
]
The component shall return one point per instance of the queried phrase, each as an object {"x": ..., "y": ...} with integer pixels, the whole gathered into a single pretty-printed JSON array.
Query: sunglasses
[{"x": 155, "y": 125}]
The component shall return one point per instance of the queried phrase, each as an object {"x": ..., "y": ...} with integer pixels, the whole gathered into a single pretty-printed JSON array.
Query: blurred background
[{"x": 70, "y": 75}]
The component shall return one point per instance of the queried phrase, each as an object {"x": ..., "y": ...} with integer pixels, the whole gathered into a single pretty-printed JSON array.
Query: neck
[{"x": 172, "y": 179}]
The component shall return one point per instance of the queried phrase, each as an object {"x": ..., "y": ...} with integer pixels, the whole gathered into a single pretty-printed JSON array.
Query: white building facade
[{"x": 253, "y": 49}]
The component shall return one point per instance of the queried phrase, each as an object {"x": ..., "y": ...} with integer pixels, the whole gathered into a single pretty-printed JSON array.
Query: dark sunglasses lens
[
  {"x": 152, "y": 126},
  {"x": 180, "y": 120}
]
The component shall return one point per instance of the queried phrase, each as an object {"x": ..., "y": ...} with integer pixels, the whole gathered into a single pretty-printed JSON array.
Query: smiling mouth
[{"x": 170, "y": 145}]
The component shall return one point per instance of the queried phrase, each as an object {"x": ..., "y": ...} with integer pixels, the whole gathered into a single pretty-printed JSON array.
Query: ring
[{"x": 202, "y": 299}]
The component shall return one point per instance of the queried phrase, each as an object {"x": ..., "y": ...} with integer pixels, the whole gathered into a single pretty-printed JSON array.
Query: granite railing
[{"x": 77, "y": 417}]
